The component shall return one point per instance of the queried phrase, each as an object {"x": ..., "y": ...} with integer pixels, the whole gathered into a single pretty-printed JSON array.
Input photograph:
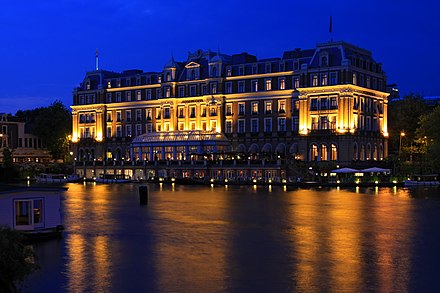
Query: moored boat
[
  {"x": 57, "y": 178},
  {"x": 113, "y": 178}
]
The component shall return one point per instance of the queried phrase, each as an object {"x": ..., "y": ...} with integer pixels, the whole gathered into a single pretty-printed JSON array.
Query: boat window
[
  {"x": 29, "y": 213},
  {"x": 23, "y": 212}
]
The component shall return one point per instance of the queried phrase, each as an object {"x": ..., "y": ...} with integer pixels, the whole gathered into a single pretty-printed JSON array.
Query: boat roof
[{"x": 6, "y": 188}]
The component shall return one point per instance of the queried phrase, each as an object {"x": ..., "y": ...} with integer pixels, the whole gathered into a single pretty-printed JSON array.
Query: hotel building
[{"x": 317, "y": 105}]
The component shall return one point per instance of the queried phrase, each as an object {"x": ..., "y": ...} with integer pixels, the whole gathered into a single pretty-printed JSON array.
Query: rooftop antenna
[
  {"x": 330, "y": 29},
  {"x": 97, "y": 60}
]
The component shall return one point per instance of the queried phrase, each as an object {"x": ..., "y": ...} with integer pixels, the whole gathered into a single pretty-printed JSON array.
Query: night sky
[{"x": 47, "y": 46}]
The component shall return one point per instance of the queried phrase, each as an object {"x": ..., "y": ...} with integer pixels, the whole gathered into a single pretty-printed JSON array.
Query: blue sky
[{"x": 47, "y": 46}]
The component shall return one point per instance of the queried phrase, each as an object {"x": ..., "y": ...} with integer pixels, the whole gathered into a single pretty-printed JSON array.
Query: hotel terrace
[{"x": 233, "y": 116}]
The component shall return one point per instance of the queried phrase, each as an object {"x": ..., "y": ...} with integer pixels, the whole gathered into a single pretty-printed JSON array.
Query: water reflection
[{"x": 243, "y": 238}]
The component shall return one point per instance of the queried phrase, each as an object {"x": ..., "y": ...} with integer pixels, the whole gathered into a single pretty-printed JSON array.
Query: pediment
[{"x": 192, "y": 64}]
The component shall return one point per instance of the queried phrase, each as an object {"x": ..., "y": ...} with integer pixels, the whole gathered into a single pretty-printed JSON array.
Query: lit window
[
  {"x": 255, "y": 85},
  {"x": 315, "y": 80},
  {"x": 282, "y": 83},
  {"x": 282, "y": 106},
  {"x": 128, "y": 96},
  {"x": 138, "y": 95},
  {"x": 181, "y": 111},
  {"x": 354, "y": 79},
  {"x": 109, "y": 84},
  {"x": 268, "y": 84},
  {"x": 324, "y": 79},
  {"x": 213, "y": 125},
  {"x": 296, "y": 82},
  {"x": 324, "y": 152},
  {"x": 314, "y": 153},
  {"x": 268, "y": 107},
  {"x": 254, "y": 107},
  {"x": 334, "y": 153},
  {"x": 167, "y": 92}
]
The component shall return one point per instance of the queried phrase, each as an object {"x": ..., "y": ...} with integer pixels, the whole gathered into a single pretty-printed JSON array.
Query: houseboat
[
  {"x": 113, "y": 178},
  {"x": 35, "y": 211},
  {"x": 57, "y": 178}
]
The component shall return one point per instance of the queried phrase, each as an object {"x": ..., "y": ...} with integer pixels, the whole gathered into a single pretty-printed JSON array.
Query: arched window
[
  {"x": 381, "y": 155},
  {"x": 368, "y": 152},
  {"x": 362, "y": 154},
  {"x": 355, "y": 152},
  {"x": 375, "y": 152},
  {"x": 324, "y": 152},
  {"x": 313, "y": 152},
  {"x": 334, "y": 152},
  {"x": 168, "y": 77}
]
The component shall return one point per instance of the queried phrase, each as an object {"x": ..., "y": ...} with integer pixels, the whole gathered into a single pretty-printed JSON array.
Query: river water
[{"x": 243, "y": 239}]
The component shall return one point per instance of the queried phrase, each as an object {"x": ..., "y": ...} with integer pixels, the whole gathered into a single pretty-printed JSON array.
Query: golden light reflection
[
  {"x": 91, "y": 210},
  {"x": 393, "y": 271},
  {"x": 192, "y": 252},
  {"x": 76, "y": 250}
]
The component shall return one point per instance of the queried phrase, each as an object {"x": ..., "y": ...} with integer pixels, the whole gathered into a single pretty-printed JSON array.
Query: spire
[
  {"x": 330, "y": 29},
  {"x": 97, "y": 60}
]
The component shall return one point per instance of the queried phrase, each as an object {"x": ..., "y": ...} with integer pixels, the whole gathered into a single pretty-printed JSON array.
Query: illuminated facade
[
  {"x": 25, "y": 147},
  {"x": 324, "y": 104}
]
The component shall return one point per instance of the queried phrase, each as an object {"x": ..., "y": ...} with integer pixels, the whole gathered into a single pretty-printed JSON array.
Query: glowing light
[{"x": 99, "y": 136}]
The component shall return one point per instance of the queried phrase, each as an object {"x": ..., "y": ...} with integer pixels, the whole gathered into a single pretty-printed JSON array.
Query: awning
[
  {"x": 345, "y": 170},
  {"x": 375, "y": 170}
]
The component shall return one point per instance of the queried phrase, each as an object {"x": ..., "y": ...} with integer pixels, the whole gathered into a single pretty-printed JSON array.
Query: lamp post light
[{"x": 402, "y": 134}]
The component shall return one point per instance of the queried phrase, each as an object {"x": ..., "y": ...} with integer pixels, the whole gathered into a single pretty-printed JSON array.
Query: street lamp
[{"x": 402, "y": 134}]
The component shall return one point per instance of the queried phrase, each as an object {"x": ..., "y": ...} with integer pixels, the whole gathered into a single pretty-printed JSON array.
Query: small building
[
  {"x": 25, "y": 146},
  {"x": 36, "y": 211}
]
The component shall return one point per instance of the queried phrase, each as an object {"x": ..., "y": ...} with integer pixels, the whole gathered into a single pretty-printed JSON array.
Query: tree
[
  {"x": 404, "y": 115},
  {"x": 8, "y": 172},
  {"x": 16, "y": 260},
  {"x": 53, "y": 125},
  {"x": 428, "y": 137}
]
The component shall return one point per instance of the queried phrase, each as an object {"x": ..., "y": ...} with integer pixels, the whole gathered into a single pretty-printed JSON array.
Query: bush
[{"x": 16, "y": 260}]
